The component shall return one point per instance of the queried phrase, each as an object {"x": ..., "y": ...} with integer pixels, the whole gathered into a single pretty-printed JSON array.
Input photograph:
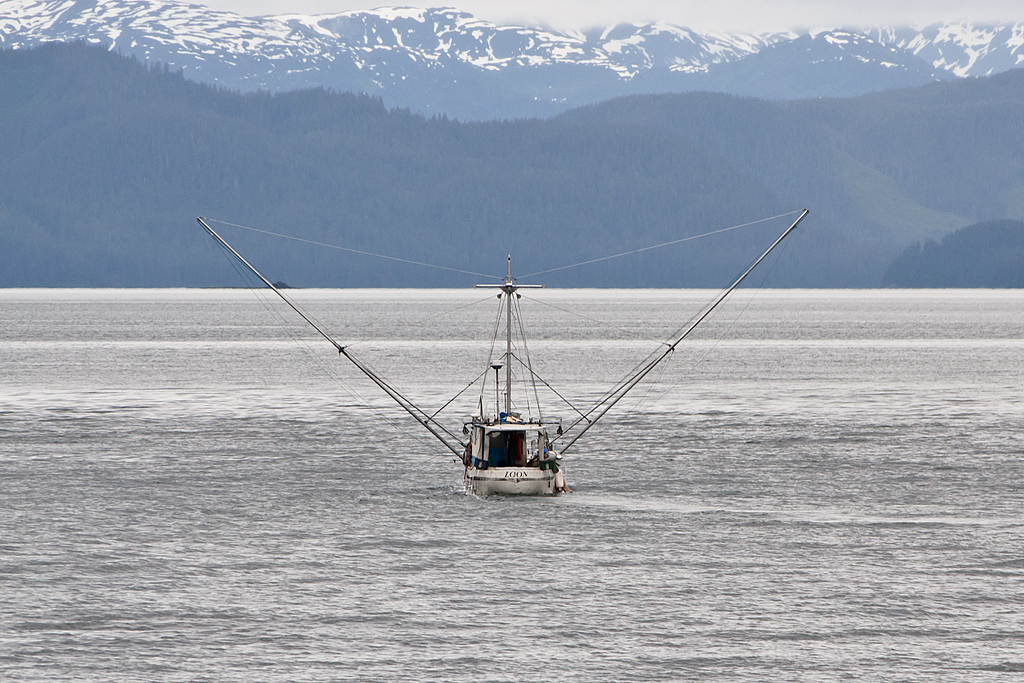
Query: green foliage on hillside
[
  {"x": 989, "y": 254},
  {"x": 104, "y": 166}
]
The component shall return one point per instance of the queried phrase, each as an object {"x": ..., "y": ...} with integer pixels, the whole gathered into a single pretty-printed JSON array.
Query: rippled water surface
[{"x": 820, "y": 486}]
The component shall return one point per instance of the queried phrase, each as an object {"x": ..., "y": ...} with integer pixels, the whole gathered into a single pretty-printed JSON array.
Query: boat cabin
[{"x": 508, "y": 444}]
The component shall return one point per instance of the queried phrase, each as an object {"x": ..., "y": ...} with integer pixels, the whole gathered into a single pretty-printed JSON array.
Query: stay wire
[
  {"x": 529, "y": 363},
  {"x": 595, "y": 320},
  {"x": 610, "y": 394},
  {"x": 490, "y": 353},
  {"x": 718, "y": 341},
  {"x": 461, "y": 392},
  {"x": 302, "y": 343},
  {"x": 624, "y": 383},
  {"x": 651, "y": 384},
  {"x": 449, "y": 311},
  {"x": 402, "y": 400},
  {"x": 457, "y": 309},
  {"x": 648, "y": 359},
  {"x": 517, "y": 317},
  {"x": 234, "y": 259},
  {"x": 555, "y": 392},
  {"x": 354, "y": 251},
  {"x": 618, "y": 387},
  {"x": 657, "y": 246}
]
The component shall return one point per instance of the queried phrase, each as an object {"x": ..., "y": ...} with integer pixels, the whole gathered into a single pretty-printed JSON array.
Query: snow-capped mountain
[
  {"x": 445, "y": 60},
  {"x": 961, "y": 49}
]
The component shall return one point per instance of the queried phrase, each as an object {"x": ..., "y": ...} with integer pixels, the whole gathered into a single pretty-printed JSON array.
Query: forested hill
[
  {"x": 104, "y": 166},
  {"x": 892, "y": 166},
  {"x": 989, "y": 254}
]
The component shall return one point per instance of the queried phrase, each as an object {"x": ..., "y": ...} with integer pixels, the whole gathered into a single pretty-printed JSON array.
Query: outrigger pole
[
  {"x": 415, "y": 411},
  {"x": 624, "y": 387}
]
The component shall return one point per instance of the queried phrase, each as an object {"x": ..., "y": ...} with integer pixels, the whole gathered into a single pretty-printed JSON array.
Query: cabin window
[
  {"x": 507, "y": 449},
  {"x": 496, "y": 452},
  {"x": 516, "y": 450}
]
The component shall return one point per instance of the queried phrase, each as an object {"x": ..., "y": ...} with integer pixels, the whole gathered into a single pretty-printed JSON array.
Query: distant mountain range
[
  {"x": 444, "y": 61},
  {"x": 105, "y": 163}
]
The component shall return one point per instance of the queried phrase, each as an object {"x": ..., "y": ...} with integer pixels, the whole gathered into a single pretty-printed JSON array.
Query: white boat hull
[{"x": 513, "y": 481}]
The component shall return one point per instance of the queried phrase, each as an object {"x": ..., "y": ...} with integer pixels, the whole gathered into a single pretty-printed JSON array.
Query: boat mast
[{"x": 508, "y": 288}]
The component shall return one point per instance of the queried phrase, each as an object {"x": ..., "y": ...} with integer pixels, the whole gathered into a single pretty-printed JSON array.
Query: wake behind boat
[{"x": 511, "y": 447}]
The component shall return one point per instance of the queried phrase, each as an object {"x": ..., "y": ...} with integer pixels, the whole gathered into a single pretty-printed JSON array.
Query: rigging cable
[
  {"x": 433, "y": 317},
  {"x": 490, "y": 358},
  {"x": 631, "y": 382},
  {"x": 711, "y": 349},
  {"x": 609, "y": 394},
  {"x": 555, "y": 392},
  {"x": 461, "y": 392},
  {"x": 595, "y": 320},
  {"x": 414, "y": 410},
  {"x": 302, "y": 343},
  {"x": 657, "y": 246},
  {"x": 353, "y": 251},
  {"x": 529, "y": 363}
]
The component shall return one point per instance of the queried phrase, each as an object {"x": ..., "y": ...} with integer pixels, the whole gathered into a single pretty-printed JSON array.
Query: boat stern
[{"x": 512, "y": 481}]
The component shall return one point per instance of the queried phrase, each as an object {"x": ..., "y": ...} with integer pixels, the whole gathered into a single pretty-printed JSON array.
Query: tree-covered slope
[
  {"x": 888, "y": 167},
  {"x": 104, "y": 165},
  {"x": 989, "y": 254}
]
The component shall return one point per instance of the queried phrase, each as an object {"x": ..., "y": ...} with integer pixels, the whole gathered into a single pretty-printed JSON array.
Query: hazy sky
[{"x": 749, "y": 15}]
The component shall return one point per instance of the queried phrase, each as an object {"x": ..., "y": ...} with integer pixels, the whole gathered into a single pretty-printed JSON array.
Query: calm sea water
[{"x": 821, "y": 486}]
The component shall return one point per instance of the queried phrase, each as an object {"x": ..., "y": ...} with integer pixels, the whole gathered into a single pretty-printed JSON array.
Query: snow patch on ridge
[{"x": 392, "y": 44}]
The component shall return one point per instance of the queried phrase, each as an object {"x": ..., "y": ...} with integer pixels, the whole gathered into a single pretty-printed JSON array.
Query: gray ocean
[{"x": 819, "y": 486}]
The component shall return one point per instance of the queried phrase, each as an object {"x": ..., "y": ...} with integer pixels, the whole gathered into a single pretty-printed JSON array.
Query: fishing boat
[
  {"x": 507, "y": 452},
  {"x": 508, "y": 447}
]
